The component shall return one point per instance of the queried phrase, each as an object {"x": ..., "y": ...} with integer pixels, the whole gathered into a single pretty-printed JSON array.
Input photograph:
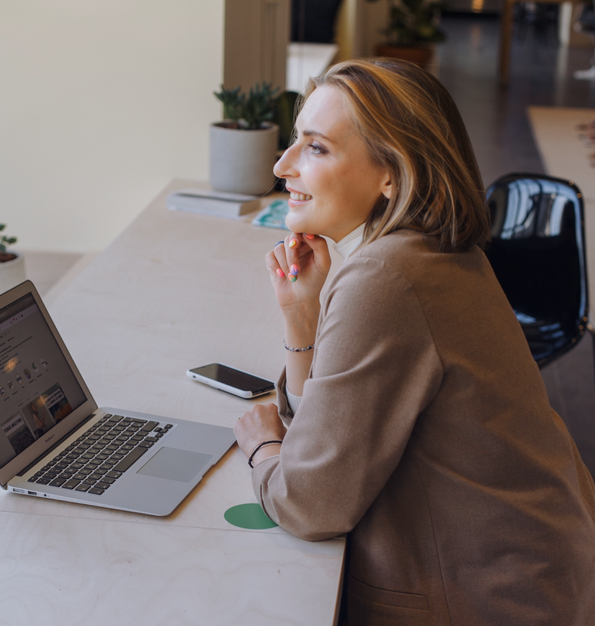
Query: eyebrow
[{"x": 315, "y": 133}]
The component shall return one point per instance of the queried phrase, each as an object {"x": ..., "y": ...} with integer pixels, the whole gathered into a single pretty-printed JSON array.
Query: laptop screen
[{"x": 38, "y": 388}]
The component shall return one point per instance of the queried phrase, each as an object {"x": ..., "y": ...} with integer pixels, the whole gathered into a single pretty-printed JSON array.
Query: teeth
[{"x": 301, "y": 197}]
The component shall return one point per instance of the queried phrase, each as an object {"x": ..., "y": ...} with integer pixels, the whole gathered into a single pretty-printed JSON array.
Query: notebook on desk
[{"x": 55, "y": 442}]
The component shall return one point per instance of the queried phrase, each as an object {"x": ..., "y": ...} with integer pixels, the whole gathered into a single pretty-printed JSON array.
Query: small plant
[
  {"x": 4, "y": 242},
  {"x": 248, "y": 111},
  {"x": 413, "y": 22}
]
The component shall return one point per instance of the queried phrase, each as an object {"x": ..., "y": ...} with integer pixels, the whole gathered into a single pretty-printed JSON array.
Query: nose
[{"x": 285, "y": 167}]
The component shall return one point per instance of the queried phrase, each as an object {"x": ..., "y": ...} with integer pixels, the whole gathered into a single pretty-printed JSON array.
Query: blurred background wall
[{"x": 102, "y": 102}]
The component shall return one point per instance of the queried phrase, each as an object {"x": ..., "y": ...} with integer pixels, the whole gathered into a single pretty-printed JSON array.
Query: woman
[{"x": 419, "y": 423}]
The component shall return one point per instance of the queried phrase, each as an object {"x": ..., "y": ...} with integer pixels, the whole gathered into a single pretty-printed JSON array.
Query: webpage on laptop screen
[{"x": 37, "y": 386}]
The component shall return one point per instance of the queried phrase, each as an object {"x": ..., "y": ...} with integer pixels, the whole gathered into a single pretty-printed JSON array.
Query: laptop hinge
[{"x": 59, "y": 442}]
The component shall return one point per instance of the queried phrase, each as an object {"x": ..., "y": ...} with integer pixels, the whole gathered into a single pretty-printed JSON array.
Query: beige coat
[{"x": 425, "y": 432}]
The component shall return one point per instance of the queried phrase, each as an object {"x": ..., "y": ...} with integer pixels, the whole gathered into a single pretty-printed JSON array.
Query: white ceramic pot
[
  {"x": 12, "y": 272},
  {"x": 242, "y": 161}
]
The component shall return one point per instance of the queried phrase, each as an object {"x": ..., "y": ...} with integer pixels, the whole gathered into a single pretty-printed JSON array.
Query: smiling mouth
[{"x": 299, "y": 197}]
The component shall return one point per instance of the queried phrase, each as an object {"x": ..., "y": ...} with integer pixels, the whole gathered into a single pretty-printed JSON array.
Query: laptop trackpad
[{"x": 174, "y": 464}]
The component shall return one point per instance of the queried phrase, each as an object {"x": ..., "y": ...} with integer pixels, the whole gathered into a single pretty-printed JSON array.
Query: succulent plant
[
  {"x": 413, "y": 22},
  {"x": 248, "y": 111},
  {"x": 4, "y": 240}
]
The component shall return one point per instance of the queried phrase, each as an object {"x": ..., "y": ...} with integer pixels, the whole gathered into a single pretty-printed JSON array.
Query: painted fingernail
[
  {"x": 294, "y": 269},
  {"x": 282, "y": 241},
  {"x": 293, "y": 243},
  {"x": 280, "y": 272},
  {"x": 293, "y": 278},
  {"x": 309, "y": 236}
]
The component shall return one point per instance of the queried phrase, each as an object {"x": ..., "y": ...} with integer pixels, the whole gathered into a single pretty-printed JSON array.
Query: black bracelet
[{"x": 258, "y": 447}]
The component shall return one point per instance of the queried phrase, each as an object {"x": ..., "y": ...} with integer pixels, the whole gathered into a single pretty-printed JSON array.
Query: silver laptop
[{"x": 56, "y": 443}]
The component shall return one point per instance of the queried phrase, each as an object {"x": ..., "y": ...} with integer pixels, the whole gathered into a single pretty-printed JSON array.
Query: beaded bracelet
[
  {"x": 297, "y": 349},
  {"x": 258, "y": 447}
]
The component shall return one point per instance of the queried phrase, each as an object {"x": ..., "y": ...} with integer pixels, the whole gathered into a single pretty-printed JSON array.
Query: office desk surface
[{"x": 174, "y": 291}]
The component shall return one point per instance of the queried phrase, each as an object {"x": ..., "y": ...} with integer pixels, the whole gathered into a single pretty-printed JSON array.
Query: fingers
[
  {"x": 292, "y": 247},
  {"x": 261, "y": 423},
  {"x": 274, "y": 266},
  {"x": 297, "y": 246},
  {"x": 280, "y": 255},
  {"x": 317, "y": 247},
  {"x": 288, "y": 256},
  {"x": 281, "y": 261}
]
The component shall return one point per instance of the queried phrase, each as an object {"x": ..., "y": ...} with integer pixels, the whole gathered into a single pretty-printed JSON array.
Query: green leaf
[
  {"x": 232, "y": 102},
  {"x": 4, "y": 240},
  {"x": 412, "y": 22},
  {"x": 250, "y": 110},
  {"x": 259, "y": 105}
]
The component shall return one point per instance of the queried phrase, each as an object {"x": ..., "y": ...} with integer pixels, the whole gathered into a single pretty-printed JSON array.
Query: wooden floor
[{"x": 497, "y": 121}]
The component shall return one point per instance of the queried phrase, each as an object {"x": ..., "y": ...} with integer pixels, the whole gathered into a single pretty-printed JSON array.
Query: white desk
[{"x": 174, "y": 291}]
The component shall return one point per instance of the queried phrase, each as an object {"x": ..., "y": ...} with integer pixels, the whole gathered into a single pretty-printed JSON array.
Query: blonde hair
[{"x": 413, "y": 128}]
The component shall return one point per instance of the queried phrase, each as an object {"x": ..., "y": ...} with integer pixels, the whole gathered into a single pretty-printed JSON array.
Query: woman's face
[{"x": 333, "y": 182}]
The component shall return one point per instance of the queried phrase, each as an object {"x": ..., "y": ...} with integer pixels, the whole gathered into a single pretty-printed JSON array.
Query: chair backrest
[{"x": 538, "y": 255}]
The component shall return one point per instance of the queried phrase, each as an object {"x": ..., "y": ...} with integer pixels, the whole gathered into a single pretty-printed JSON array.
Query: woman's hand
[
  {"x": 298, "y": 268},
  {"x": 262, "y": 423}
]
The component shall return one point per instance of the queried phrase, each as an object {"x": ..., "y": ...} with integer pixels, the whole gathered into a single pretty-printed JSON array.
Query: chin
[{"x": 295, "y": 224}]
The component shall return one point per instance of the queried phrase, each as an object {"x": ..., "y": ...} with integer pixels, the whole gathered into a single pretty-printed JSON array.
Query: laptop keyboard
[{"x": 95, "y": 461}]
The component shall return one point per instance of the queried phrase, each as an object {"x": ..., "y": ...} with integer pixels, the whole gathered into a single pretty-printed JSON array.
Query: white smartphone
[{"x": 231, "y": 380}]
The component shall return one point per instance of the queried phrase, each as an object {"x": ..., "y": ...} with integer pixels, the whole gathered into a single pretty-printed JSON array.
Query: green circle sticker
[{"x": 249, "y": 516}]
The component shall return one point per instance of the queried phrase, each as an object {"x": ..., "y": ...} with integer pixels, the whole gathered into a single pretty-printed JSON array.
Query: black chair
[{"x": 538, "y": 255}]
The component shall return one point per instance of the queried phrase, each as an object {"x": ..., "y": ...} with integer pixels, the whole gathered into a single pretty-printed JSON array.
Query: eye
[{"x": 317, "y": 148}]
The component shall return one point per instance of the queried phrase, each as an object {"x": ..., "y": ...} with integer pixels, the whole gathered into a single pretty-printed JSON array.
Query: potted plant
[
  {"x": 12, "y": 264},
  {"x": 412, "y": 30},
  {"x": 244, "y": 146}
]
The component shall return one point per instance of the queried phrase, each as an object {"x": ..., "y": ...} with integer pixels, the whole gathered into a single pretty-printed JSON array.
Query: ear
[{"x": 386, "y": 186}]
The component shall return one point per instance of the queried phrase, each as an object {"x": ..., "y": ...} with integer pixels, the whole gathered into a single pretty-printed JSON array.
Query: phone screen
[{"x": 233, "y": 377}]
